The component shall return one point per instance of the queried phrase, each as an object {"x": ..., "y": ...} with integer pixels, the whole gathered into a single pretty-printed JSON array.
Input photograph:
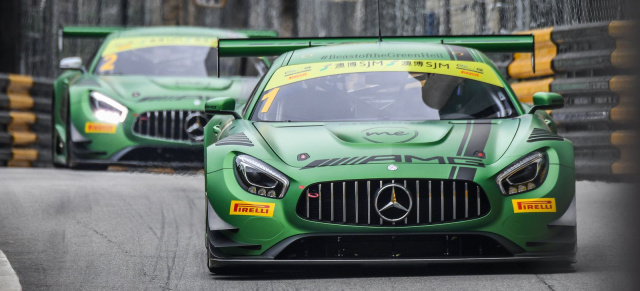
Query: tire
[
  {"x": 54, "y": 143},
  {"x": 55, "y": 138}
]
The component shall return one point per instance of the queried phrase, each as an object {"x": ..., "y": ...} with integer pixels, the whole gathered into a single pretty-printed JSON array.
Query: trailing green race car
[
  {"x": 401, "y": 151},
  {"x": 140, "y": 100}
]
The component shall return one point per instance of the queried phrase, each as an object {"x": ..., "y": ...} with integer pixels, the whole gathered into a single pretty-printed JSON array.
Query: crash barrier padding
[
  {"x": 598, "y": 113},
  {"x": 545, "y": 51},
  {"x": 588, "y": 66},
  {"x": 525, "y": 90},
  {"x": 25, "y": 121},
  {"x": 593, "y": 46}
]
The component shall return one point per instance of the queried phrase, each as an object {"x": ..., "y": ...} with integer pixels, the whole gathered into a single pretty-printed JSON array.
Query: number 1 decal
[
  {"x": 108, "y": 64},
  {"x": 269, "y": 97}
]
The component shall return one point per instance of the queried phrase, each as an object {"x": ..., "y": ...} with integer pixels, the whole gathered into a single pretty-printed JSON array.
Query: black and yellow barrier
[
  {"x": 25, "y": 121},
  {"x": 588, "y": 64},
  {"x": 566, "y": 49}
]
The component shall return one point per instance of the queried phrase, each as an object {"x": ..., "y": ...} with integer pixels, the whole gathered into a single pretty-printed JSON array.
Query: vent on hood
[
  {"x": 539, "y": 134},
  {"x": 235, "y": 139}
]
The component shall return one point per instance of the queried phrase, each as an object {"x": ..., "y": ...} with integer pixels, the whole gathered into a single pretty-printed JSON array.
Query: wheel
[{"x": 56, "y": 148}]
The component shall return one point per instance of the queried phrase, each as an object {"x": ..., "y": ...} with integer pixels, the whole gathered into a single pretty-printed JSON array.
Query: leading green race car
[
  {"x": 408, "y": 150},
  {"x": 140, "y": 101}
]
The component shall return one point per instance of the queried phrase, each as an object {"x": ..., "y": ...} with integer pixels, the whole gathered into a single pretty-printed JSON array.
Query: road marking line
[{"x": 8, "y": 278}]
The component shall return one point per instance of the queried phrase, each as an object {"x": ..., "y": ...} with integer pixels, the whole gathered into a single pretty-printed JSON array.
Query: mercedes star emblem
[
  {"x": 399, "y": 202},
  {"x": 392, "y": 167},
  {"x": 194, "y": 125}
]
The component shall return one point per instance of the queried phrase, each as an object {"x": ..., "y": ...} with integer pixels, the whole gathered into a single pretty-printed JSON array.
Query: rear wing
[
  {"x": 84, "y": 31},
  {"x": 278, "y": 46},
  {"x": 102, "y": 32}
]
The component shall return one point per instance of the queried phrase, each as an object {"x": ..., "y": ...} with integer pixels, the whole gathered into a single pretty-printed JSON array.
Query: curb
[{"x": 8, "y": 277}]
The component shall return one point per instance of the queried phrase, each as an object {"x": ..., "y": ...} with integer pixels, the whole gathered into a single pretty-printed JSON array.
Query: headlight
[
  {"x": 107, "y": 109},
  {"x": 258, "y": 178},
  {"x": 524, "y": 175}
]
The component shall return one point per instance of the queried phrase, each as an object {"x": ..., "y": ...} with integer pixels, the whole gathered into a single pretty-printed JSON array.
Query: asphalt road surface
[{"x": 75, "y": 230}]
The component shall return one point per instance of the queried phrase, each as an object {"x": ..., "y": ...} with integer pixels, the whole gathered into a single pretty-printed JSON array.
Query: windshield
[
  {"x": 404, "y": 95},
  {"x": 171, "y": 56}
]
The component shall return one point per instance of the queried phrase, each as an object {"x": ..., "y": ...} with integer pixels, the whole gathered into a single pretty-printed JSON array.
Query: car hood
[{"x": 304, "y": 145}]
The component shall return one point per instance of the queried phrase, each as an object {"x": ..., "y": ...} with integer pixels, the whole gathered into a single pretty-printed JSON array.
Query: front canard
[
  {"x": 251, "y": 208},
  {"x": 534, "y": 205}
]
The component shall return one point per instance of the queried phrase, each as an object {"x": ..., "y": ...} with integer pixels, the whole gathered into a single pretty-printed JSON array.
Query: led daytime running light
[
  {"x": 248, "y": 161},
  {"x": 105, "y": 114},
  {"x": 534, "y": 158}
]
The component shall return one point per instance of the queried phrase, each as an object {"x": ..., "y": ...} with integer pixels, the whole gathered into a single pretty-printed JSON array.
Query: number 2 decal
[
  {"x": 108, "y": 64},
  {"x": 269, "y": 97}
]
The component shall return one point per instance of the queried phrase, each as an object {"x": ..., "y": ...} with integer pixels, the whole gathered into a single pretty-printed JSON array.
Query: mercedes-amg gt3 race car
[
  {"x": 140, "y": 101},
  {"x": 404, "y": 150}
]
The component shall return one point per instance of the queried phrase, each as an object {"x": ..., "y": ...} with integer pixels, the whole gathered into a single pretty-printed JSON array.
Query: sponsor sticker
[
  {"x": 251, "y": 208},
  {"x": 464, "y": 69},
  {"x": 97, "y": 127},
  {"x": 131, "y": 43},
  {"x": 534, "y": 205}
]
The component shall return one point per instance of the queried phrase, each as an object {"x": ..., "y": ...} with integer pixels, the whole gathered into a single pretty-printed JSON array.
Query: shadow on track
[{"x": 302, "y": 273}]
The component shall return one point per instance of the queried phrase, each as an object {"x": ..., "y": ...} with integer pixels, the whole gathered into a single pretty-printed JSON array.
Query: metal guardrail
[
  {"x": 589, "y": 65},
  {"x": 25, "y": 121}
]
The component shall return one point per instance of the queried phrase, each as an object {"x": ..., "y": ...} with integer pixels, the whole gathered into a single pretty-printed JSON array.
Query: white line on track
[{"x": 8, "y": 278}]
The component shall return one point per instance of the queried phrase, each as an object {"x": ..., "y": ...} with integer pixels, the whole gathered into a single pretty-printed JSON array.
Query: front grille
[
  {"x": 394, "y": 246},
  {"x": 177, "y": 125},
  {"x": 353, "y": 202}
]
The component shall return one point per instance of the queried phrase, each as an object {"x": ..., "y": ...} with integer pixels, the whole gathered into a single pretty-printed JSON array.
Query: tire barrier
[
  {"x": 25, "y": 121},
  {"x": 588, "y": 65},
  {"x": 570, "y": 49}
]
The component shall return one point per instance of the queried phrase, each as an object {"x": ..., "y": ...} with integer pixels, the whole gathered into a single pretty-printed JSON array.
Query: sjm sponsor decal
[
  {"x": 251, "y": 208},
  {"x": 97, "y": 127},
  {"x": 534, "y": 205}
]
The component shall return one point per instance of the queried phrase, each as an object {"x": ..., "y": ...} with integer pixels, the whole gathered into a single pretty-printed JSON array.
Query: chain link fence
[{"x": 40, "y": 19}]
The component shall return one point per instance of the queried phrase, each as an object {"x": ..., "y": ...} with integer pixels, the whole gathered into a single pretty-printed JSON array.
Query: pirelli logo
[
  {"x": 251, "y": 208},
  {"x": 96, "y": 127},
  {"x": 534, "y": 205}
]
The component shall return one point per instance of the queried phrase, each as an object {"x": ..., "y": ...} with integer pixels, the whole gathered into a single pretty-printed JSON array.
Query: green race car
[
  {"x": 405, "y": 150},
  {"x": 140, "y": 101}
]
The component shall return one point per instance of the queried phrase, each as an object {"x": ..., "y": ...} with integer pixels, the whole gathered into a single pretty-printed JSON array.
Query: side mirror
[
  {"x": 545, "y": 101},
  {"x": 72, "y": 63},
  {"x": 221, "y": 105}
]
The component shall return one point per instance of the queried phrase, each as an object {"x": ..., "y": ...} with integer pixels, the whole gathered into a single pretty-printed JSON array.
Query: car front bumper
[{"x": 537, "y": 236}]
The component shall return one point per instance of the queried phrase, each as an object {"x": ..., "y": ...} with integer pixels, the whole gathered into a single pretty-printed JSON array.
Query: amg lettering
[
  {"x": 392, "y": 158},
  {"x": 464, "y": 161},
  {"x": 410, "y": 158}
]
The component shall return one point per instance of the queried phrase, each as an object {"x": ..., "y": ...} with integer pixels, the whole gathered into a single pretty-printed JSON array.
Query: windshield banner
[
  {"x": 464, "y": 69},
  {"x": 131, "y": 43}
]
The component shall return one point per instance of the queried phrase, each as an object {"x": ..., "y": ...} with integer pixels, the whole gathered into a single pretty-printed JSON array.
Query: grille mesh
[
  {"x": 353, "y": 202},
  {"x": 164, "y": 124}
]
